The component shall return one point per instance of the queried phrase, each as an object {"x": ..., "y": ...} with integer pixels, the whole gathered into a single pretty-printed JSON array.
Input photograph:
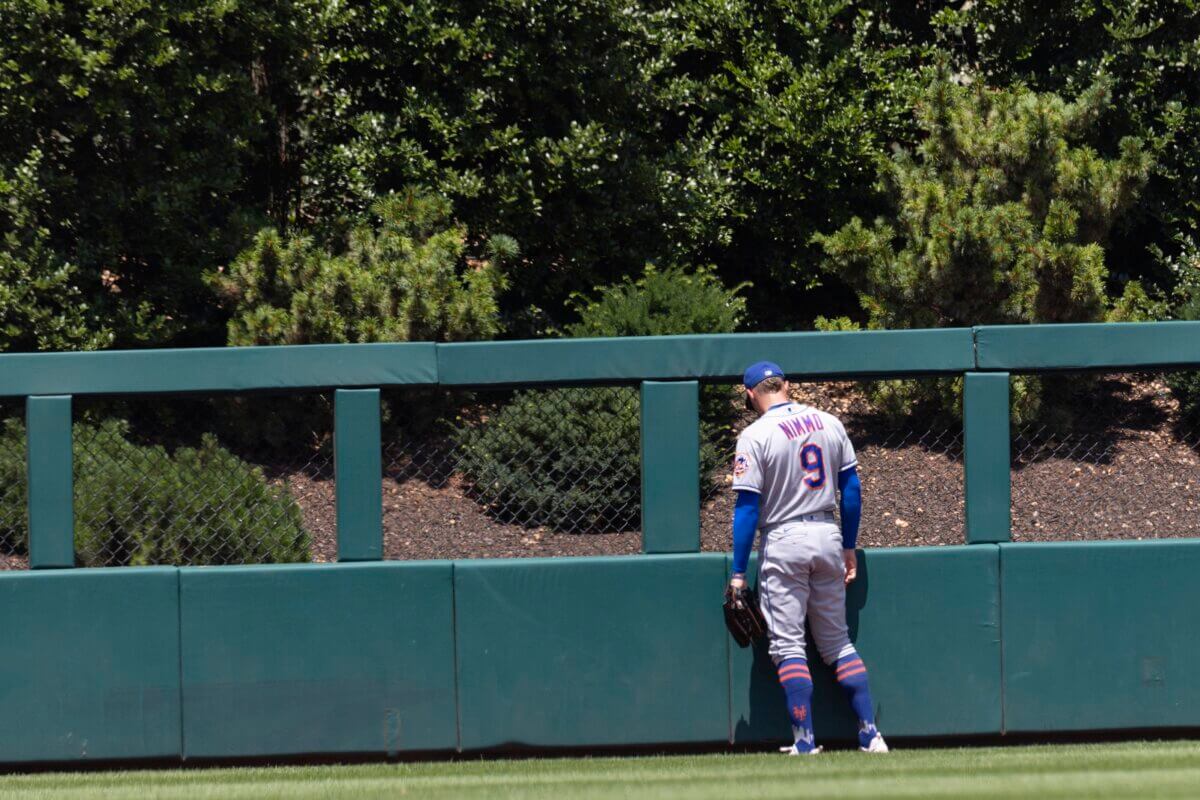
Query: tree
[
  {"x": 1148, "y": 49},
  {"x": 602, "y": 134},
  {"x": 778, "y": 112},
  {"x": 998, "y": 217},
  {"x": 167, "y": 135},
  {"x": 534, "y": 118},
  {"x": 607, "y": 133}
]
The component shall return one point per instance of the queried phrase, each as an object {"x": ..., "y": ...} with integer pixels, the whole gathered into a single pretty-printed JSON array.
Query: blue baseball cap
[{"x": 759, "y": 372}]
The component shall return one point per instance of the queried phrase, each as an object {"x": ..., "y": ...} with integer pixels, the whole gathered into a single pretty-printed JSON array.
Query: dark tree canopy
[{"x": 158, "y": 141}]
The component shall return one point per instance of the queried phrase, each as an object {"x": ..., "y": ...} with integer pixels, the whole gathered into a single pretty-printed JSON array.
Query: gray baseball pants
[{"x": 802, "y": 574}]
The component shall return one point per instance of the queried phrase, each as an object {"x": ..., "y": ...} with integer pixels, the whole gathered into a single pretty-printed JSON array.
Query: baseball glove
[{"x": 742, "y": 616}]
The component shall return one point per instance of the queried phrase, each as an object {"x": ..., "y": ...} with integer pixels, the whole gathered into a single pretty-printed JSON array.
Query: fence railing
[{"x": 669, "y": 371}]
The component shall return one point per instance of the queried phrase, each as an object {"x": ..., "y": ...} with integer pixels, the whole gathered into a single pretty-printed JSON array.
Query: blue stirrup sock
[
  {"x": 797, "y": 685},
  {"x": 852, "y": 677}
]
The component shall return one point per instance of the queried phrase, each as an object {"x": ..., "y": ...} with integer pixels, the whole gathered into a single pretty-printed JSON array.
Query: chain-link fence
[
  {"x": 557, "y": 471},
  {"x": 1105, "y": 457},
  {"x": 514, "y": 470},
  {"x": 14, "y": 513},
  {"x": 911, "y": 466},
  {"x": 183, "y": 481}
]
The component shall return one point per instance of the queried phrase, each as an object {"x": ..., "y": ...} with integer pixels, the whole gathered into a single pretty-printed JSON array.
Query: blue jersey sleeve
[
  {"x": 745, "y": 525},
  {"x": 851, "y": 506}
]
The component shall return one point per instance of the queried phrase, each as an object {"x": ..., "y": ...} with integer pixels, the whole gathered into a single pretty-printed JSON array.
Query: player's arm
[
  {"x": 745, "y": 525},
  {"x": 851, "y": 506},
  {"x": 748, "y": 483}
]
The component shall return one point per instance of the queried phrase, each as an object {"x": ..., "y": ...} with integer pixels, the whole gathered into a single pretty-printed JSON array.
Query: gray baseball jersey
[{"x": 791, "y": 457}]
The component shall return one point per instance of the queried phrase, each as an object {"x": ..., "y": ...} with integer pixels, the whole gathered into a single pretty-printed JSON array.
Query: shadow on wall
[{"x": 758, "y": 702}]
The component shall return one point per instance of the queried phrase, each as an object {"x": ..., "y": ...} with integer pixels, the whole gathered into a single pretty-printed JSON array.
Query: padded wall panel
[
  {"x": 927, "y": 624},
  {"x": 987, "y": 481},
  {"x": 346, "y": 658},
  {"x": 670, "y": 428},
  {"x": 89, "y": 664},
  {"x": 1096, "y": 345},
  {"x": 724, "y": 356},
  {"x": 1101, "y": 635},
  {"x": 216, "y": 369},
  {"x": 591, "y": 651}
]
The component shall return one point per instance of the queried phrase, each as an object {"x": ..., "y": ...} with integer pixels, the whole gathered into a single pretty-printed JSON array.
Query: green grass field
[{"x": 1144, "y": 770}]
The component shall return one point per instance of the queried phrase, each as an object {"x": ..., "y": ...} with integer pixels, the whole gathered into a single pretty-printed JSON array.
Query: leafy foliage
[
  {"x": 604, "y": 133},
  {"x": 530, "y": 116},
  {"x": 41, "y": 307},
  {"x": 1149, "y": 49},
  {"x": 780, "y": 112},
  {"x": 998, "y": 218},
  {"x": 567, "y": 459},
  {"x": 165, "y": 131},
  {"x": 570, "y": 458},
  {"x": 411, "y": 279},
  {"x": 665, "y": 302},
  {"x": 662, "y": 302},
  {"x": 198, "y": 505}
]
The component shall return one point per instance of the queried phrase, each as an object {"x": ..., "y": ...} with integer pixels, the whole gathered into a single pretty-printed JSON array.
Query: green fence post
[
  {"x": 358, "y": 472},
  {"x": 51, "y": 483},
  {"x": 670, "y": 467},
  {"x": 988, "y": 480}
]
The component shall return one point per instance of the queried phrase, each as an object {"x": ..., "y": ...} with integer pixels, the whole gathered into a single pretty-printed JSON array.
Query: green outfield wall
[
  {"x": 1101, "y": 635},
  {"x": 927, "y": 623},
  {"x": 393, "y": 658},
  {"x": 89, "y": 665},
  {"x": 295, "y": 659}
]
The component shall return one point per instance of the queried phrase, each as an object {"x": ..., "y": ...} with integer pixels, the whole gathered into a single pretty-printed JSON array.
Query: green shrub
[
  {"x": 666, "y": 302},
  {"x": 571, "y": 458},
  {"x": 1186, "y": 388},
  {"x": 564, "y": 458},
  {"x": 137, "y": 505},
  {"x": 410, "y": 277}
]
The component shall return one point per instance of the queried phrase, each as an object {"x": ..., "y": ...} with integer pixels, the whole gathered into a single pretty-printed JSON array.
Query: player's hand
[
  {"x": 736, "y": 583},
  {"x": 850, "y": 559}
]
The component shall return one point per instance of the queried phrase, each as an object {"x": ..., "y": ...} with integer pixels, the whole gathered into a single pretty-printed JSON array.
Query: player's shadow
[{"x": 759, "y": 710}]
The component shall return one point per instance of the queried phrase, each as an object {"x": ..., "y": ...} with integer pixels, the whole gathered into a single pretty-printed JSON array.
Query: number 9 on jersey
[{"x": 813, "y": 461}]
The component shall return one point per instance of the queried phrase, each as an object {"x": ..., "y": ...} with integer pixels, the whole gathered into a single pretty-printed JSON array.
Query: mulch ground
[
  {"x": 9, "y": 561},
  {"x": 912, "y": 477},
  {"x": 1127, "y": 473}
]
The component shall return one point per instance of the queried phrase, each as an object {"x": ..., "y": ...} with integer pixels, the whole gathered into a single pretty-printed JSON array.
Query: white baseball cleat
[
  {"x": 791, "y": 750},
  {"x": 877, "y": 745}
]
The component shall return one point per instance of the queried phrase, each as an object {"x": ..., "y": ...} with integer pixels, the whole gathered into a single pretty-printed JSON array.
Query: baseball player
[{"x": 789, "y": 467}]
